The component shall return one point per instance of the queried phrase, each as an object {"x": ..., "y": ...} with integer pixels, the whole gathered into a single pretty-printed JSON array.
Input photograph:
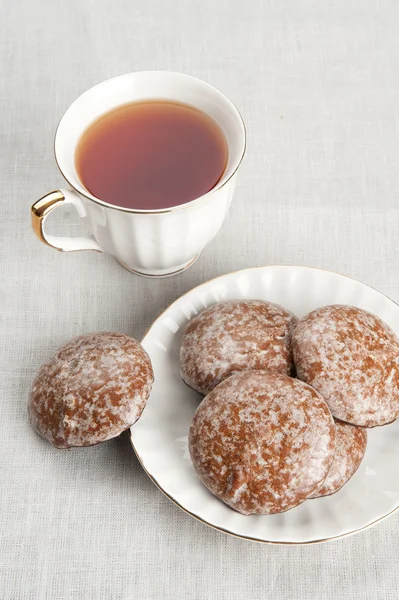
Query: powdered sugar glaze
[
  {"x": 350, "y": 446},
  {"x": 233, "y": 336},
  {"x": 262, "y": 442},
  {"x": 352, "y": 358},
  {"x": 91, "y": 390}
]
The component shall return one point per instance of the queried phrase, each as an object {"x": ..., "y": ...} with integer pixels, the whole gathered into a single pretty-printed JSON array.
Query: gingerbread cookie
[
  {"x": 262, "y": 442},
  {"x": 91, "y": 390},
  {"x": 350, "y": 446},
  {"x": 352, "y": 358},
  {"x": 235, "y": 336}
]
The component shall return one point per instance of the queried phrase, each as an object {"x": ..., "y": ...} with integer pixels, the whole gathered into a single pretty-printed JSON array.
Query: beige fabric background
[{"x": 317, "y": 83}]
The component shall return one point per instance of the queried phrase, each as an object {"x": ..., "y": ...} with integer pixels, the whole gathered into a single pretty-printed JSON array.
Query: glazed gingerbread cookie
[
  {"x": 350, "y": 446},
  {"x": 234, "y": 336},
  {"x": 91, "y": 390},
  {"x": 262, "y": 442},
  {"x": 352, "y": 358}
]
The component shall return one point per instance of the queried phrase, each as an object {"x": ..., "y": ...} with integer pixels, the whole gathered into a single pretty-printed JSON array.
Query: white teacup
[{"x": 147, "y": 242}]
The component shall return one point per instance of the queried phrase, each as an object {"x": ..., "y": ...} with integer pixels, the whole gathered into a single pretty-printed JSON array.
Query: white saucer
[{"x": 159, "y": 438}]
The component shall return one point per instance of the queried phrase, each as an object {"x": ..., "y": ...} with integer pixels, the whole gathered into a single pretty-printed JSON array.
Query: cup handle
[{"x": 43, "y": 207}]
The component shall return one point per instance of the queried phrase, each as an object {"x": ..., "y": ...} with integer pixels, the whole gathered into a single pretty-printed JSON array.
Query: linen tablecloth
[{"x": 317, "y": 83}]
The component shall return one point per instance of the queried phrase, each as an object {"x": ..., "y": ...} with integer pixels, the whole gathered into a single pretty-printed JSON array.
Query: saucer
[{"x": 159, "y": 438}]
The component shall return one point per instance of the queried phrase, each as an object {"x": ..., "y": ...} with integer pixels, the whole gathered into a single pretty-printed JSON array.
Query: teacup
[{"x": 147, "y": 242}]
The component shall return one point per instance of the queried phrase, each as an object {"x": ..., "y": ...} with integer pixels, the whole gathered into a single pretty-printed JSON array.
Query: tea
[{"x": 151, "y": 155}]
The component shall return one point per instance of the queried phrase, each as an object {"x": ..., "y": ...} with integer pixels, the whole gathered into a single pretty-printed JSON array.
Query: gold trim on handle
[{"x": 41, "y": 209}]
